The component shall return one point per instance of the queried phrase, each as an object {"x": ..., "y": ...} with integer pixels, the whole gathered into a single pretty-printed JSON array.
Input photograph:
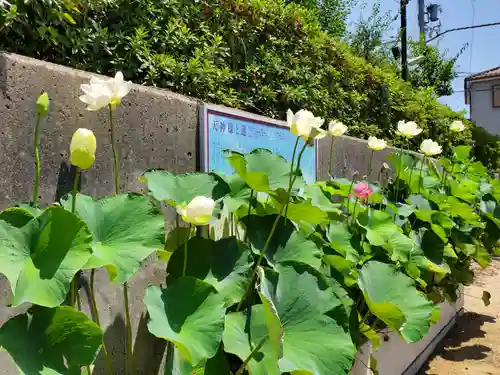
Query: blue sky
[{"x": 482, "y": 52}]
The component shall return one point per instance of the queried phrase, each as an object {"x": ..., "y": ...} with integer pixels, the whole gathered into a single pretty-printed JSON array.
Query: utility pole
[
  {"x": 404, "y": 42},
  {"x": 421, "y": 18}
]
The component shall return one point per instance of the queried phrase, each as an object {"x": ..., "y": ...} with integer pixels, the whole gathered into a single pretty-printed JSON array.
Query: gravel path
[{"x": 472, "y": 347}]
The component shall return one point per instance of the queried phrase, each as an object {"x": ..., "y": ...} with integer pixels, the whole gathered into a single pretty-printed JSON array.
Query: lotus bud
[
  {"x": 199, "y": 211},
  {"x": 82, "y": 148}
]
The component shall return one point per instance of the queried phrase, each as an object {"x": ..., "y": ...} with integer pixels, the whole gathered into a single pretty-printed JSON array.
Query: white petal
[
  {"x": 118, "y": 77},
  {"x": 124, "y": 89},
  {"x": 86, "y": 88},
  {"x": 289, "y": 118},
  {"x": 86, "y": 99}
]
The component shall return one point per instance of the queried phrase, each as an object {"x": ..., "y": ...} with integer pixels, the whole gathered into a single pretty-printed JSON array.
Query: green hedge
[{"x": 260, "y": 55}]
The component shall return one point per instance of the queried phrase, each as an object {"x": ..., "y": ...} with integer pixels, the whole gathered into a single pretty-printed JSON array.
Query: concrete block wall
[{"x": 155, "y": 128}]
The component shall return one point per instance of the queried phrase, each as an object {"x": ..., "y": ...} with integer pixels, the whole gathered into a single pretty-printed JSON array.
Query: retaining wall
[{"x": 155, "y": 128}]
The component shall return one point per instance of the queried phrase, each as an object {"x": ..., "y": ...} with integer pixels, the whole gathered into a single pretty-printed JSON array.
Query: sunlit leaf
[
  {"x": 286, "y": 244},
  {"x": 126, "y": 229},
  {"x": 177, "y": 189},
  {"x": 225, "y": 264},
  {"x": 51, "y": 341},
  {"x": 303, "y": 301},
  {"x": 40, "y": 256},
  {"x": 393, "y": 298},
  {"x": 189, "y": 313}
]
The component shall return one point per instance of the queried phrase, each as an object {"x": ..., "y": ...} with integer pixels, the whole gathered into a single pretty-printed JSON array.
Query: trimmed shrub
[{"x": 260, "y": 55}]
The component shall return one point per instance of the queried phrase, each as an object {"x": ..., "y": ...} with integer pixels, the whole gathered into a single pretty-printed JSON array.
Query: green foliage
[
  {"x": 195, "y": 326},
  {"x": 40, "y": 255},
  {"x": 126, "y": 229},
  {"x": 486, "y": 148},
  {"x": 55, "y": 341},
  {"x": 261, "y": 55},
  {"x": 307, "y": 275},
  {"x": 392, "y": 297},
  {"x": 435, "y": 70}
]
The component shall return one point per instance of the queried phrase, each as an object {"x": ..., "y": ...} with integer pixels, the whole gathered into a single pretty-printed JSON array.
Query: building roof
[{"x": 491, "y": 73}]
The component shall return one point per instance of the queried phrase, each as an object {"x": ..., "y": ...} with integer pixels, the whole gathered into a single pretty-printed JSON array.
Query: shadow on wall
[
  {"x": 148, "y": 350},
  {"x": 468, "y": 327}
]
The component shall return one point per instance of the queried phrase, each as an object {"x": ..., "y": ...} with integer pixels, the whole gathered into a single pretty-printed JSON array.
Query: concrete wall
[
  {"x": 155, "y": 128},
  {"x": 481, "y": 106},
  {"x": 396, "y": 357}
]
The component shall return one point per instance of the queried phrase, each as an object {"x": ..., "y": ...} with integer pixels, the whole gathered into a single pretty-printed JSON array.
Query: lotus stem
[
  {"x": 354, "y": 210},
  {"x": 420, "y": 175},
  {"x": 128, "y": 324},
  {"x": 73, "y": 287},
  {"x": 370, "y": 165},
  {"x": 331, "y": 157},
  {"x": 251, "y": 355},
  {"x": 115, "y": 152},
  {"x": 184, "y": 266},
  {"x": 294, "y": 178},
  {"x": 37, "y": 160},
  {"x": 95, "y": 313}
]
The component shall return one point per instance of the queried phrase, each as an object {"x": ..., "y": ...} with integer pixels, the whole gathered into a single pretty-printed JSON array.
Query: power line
[
  {"x": 462, "y": 28},
  {"x": 476, "y": 90},
  {"x": 473, "y": 5}
]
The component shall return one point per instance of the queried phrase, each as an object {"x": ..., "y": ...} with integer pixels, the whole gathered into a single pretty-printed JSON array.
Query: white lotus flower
[
  {"x": 82, "y": 148},
  {"x": 199, "y": 211},
  {"x": 304, "y": 125},
  {"x": 100, "y": 93},
  {"x": 430, "y": 148},
  {"x": 336, "y": 128},
  {"x": 376, "y": 144},
  {"x": 457, "y": 126},
  {"x": 408, "y": 129}
]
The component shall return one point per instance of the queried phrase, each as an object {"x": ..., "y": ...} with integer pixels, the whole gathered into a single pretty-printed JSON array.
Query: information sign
[{"x": 228, "y": 129}]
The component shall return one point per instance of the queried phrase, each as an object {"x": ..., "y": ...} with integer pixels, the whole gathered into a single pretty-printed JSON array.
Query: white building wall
[{"x": 481, "y": 106}]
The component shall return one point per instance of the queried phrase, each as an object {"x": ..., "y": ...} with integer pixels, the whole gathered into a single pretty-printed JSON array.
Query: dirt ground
[{"x": 472, "y": 347}]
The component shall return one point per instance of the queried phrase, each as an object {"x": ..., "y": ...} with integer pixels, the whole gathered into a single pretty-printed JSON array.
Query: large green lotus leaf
[
  {"x": 492, "y": 232},
  {"x": 455, "y": 208},
  {"x": 29, "y": 213},
  {"x": 462, "y": 153},
  {"x": 429, "y": 255},
  {"x": 189, "y": 313},
  {"x": 243, "y": 331},
  {"x": 400, "y": 162},
  {"x": 50, "y": 341},
  {"x": 306, "y": 305},
  {"x": 320, "y": 199},
  {"x": 167, "y": 187},
  {"x": 239, "y": 193},
  {"x": 303, "y": 212},
  {"x": 226, "y": 264},
  {"x": 287, "y": 244},
  {"x": 465, "y": 190},
  {"x": 39, "y": 257},
  {"x": 126, "y": 229},
  {"x": 338, "y": 186},
  {"x": 343, "y": 241},
  {"x": 381, "y": 231},
  {"x": 177, "y": 364},
  {"x": 393, "y": 298},
  {"x": 263, "y": 171}
]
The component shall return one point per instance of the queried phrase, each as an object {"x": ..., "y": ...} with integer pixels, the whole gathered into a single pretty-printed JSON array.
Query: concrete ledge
[{"x": 396, "y": 357}]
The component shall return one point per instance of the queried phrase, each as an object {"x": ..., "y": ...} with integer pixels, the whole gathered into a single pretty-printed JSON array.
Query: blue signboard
[{"x": 232, "y": 130}]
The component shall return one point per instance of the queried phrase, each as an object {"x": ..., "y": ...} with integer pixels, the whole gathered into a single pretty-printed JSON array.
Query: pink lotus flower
[{"x": 362, "y": 190}]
